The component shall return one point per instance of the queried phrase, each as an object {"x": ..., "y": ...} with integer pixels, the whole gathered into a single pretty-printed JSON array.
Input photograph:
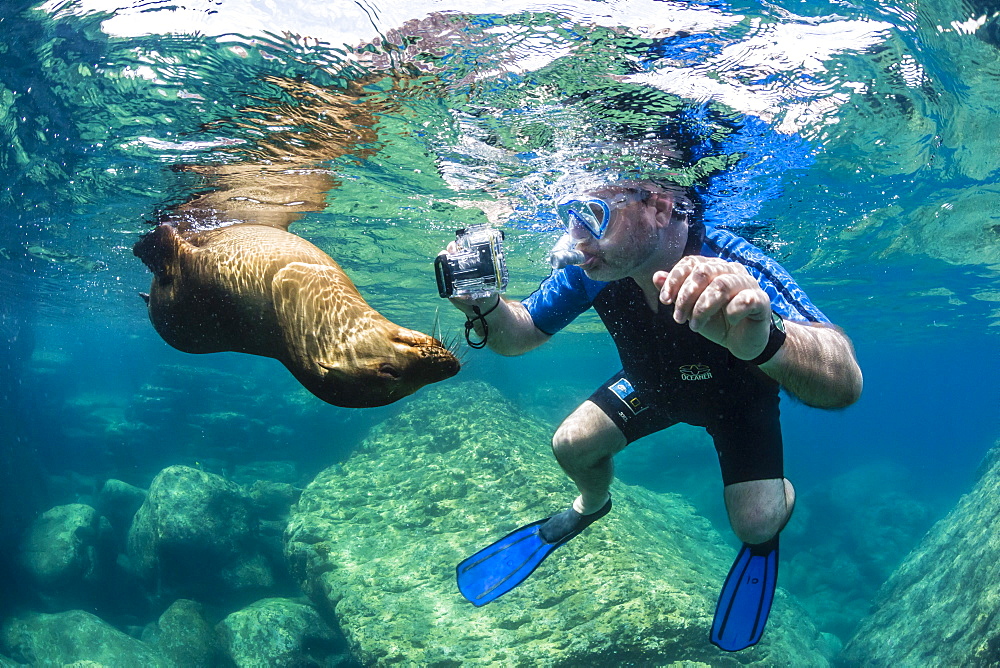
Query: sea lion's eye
[{"x": 387, "y": 370}]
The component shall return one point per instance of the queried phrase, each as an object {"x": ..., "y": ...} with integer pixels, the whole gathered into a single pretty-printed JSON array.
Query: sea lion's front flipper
[
  {"x": 318, "y": 309},
  {"x": 159, "y": 251}
]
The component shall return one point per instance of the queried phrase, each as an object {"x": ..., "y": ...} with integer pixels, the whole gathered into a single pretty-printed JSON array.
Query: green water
[{"x": 870, "y": 174}]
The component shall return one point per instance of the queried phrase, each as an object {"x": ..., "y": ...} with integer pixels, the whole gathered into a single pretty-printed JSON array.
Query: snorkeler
[{"x": 707, "y": 328}]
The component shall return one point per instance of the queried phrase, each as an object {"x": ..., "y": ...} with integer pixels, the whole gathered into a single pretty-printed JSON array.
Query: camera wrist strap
[{"x": 471, "y": 322}]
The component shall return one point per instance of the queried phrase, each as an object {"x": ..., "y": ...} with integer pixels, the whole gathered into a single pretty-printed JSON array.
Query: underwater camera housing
[{"x": 477, "y": 269}]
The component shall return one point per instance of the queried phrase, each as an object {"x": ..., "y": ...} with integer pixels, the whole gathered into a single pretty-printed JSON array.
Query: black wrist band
[
  {"x": 471, "y": 322},
  {"x": 775, "y": 340}
]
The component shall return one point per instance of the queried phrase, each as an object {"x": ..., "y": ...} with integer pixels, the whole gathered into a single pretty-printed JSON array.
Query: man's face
[{"x": 641, "y": 235}]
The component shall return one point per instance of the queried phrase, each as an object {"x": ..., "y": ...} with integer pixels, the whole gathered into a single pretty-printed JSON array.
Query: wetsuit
[{"x": 671, "y": 374}]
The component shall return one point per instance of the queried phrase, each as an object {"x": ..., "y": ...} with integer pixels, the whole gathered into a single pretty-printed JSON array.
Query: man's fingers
[
  {"x": 720, "y": 300},
  {"x": 700, "y": 288},
  {"x": 669, "y": 282},
  {"x": 715, "y": 297},
  {"x": 747, "y": 304},
  {"x": 693, "y": 282}
]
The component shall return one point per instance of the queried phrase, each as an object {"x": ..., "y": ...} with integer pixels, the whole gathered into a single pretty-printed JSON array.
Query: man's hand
[
  {"x": 719, "y": 300},
  {"x": 511, "y": 329}
]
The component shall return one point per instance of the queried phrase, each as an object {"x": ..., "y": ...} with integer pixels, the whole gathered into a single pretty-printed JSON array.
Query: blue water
[{"x": 869, "y": 170}]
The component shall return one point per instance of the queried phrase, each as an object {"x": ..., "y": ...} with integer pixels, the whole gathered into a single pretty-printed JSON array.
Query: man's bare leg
[
  {"x": 759, "y": 509},
  {"x": 583, "y": 445}
]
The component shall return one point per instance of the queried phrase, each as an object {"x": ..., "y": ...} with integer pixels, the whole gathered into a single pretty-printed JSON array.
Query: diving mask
[{"x": 593, "y": 213}]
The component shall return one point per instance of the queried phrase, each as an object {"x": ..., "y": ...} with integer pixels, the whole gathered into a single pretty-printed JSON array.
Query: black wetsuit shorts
[{"x": 747, "y": 436}]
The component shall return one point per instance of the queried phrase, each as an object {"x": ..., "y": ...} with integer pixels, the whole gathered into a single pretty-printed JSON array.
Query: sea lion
[
  {"x": 261, "y": 290},
  {"x": 229, "y": 276}
]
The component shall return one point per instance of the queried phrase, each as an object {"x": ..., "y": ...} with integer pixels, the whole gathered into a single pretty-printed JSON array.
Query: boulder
[
  {"x": 183, "y": 637},
  {"x": 119, "y": 501},
  {"x": 374, "y": 542},
  {"x": 196, "y": 535},
  {"x": 940, "y": 607},
  {"x": 249, "y": 571},
  {"x": 274, "y": 471},
  {"x": 273, "y": 499},
  {"x": 76, "y": 636},
  {"x": 67, "y": 551},
  {"x": 278, "y": 633}
]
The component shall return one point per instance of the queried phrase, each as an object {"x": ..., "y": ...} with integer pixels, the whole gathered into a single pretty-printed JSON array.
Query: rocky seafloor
[
  {"x": 223, "y": 562},
  {"x": 941, "y": 607},
  {"x": 358, "y": 567}
]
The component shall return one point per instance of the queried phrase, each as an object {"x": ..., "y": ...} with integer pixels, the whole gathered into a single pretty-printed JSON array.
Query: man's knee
[
  {"x": 759, "y": 509},
  {"x": 588, "y": 435},
  {"x": 572, "y": 441},
  {"x": 754, "y": 528}
]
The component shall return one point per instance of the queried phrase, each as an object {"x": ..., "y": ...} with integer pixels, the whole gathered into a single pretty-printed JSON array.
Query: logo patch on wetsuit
[
  {"x": 695, "y": 372},
  {"x": 624, "y": 391}
]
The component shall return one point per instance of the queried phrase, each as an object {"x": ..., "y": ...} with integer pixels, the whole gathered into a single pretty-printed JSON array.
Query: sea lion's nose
[{"x": 452, "y": 366}]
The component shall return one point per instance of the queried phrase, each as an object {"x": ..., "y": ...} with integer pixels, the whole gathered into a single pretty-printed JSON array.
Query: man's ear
[{"x": 665, "y": 207}]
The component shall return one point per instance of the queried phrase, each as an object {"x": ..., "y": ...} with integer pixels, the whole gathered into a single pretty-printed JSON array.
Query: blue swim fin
[
  {"x": 495, "y": 570},
  {"x": 746, "y": 597}
]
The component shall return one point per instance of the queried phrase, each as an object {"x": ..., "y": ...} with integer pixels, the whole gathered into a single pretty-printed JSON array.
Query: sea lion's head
[
  {"x": 382, "y": 366},
  {"x": 344, "y": 351}
]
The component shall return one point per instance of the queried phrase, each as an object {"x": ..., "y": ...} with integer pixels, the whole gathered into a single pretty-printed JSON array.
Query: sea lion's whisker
[
  {"x": 453, "y": 344},
  {"x": 436, "y": 327}
]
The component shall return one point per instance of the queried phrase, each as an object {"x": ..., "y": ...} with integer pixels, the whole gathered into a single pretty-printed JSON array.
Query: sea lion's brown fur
[
  {"x": 261, "y": 290},
  {"x": 228, "y": 276}
]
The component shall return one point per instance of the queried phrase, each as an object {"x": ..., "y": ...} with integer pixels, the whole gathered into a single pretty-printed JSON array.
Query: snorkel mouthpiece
[{"x": 564, "y": 253}]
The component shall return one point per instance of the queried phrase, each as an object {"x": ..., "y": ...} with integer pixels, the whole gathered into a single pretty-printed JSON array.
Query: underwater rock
[
  {"x": 119, "y": 502},
  {"x": 940, "y": 606},
  {"x": 196, "y": 534},
  {"x": 273, "y": 499},
  {"x": 248, "y": 571},
  {"x": 67, "y": 552},
  {"x": 183, "y": 636},
  {"x": 278, "y": 632},
  {"x": 374, "y": 542},
  {"x": 271, "y": 471},
  {"x": 67, "y": 637},
  {"x": 863, "y": 523}
]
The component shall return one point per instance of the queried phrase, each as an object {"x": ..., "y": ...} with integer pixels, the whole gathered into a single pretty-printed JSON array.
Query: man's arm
[
  {"x": 721, "y": 301},
  {"x": 511, "y": 329},
  {"x": 817, "y": 364}
]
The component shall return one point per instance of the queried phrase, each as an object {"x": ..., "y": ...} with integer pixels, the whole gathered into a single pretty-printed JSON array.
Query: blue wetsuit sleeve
[
  {"x": 561, "y": 297},
  {"x": 787, "y": 298}
]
